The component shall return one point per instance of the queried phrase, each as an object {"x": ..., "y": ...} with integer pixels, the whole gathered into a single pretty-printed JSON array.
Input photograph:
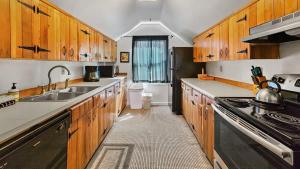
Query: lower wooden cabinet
[
  {"x": 91, "y": 121},
  {"x": 199, "y": 114}
]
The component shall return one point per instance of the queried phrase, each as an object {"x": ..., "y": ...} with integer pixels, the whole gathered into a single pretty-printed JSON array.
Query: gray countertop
[
  {"x": 214, "y": 89},
  {"x": 23, "y": 115}
]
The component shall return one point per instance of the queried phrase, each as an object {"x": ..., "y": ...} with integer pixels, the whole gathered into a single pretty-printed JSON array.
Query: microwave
[{"x": 107, "y": 71}]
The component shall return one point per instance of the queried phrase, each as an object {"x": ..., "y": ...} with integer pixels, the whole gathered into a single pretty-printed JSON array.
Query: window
[{"x": 150, "y": 59}]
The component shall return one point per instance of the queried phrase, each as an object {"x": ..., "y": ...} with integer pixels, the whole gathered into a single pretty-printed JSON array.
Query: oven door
[{"x": 242, "y": 146}]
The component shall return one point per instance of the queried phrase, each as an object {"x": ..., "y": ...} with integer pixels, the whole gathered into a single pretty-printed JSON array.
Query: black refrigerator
[{"x": 181, "y": 66}]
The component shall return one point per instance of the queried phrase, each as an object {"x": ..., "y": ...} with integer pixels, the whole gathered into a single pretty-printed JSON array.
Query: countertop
[
  {"x": 214, "y": 89},
  {"x": 23, "y": 115}
]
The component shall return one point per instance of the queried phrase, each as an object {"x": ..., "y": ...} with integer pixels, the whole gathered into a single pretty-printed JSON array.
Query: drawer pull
[{"x": 72, "y": 133}]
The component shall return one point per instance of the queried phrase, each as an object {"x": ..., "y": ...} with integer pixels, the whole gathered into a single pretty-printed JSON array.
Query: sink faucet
[{"x": 49, "y": 75}]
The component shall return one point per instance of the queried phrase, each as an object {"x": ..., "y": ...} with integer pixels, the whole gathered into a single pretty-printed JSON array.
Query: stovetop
[{"x": 279, "y": 121}]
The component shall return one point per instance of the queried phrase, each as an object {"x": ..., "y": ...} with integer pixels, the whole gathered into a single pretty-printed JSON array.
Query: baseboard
[{"x": 160, "y": 103}]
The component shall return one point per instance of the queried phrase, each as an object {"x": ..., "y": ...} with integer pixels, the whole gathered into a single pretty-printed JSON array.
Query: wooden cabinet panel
[
  {"x": 73, "y": 48},
  {"x": 100, "y": 47},
  {"x": 22, "y": 18},
  {"x": 5, "y": 46},
  {"x": 238, "y": 29},
  {"x": 114, "y": 51},
  {"x": 278, "y": 8},
  {"x": 224, "y": 40},
  {"x": 290, "y": 6},
  {"x": 84, "y": 42},
  {"x": 95, "y": 128},
  {"x": 64, "y": 37},
  {"x": 72, "y": 146},
  {"x": 93, "y": 46},
  {"x": 210, "y": 132},
  {"x": 214, "y": 47},
  {"x": 196, "y": 50},
  {"x": 107, "y": 49},
  {"x": 264, "y": 11}
]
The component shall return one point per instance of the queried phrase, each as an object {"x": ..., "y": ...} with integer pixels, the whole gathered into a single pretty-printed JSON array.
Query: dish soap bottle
[{"x": 14, "y": 92}]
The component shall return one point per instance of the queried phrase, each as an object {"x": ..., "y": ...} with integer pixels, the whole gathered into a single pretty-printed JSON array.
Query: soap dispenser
[{"x": 14, "y": 92}]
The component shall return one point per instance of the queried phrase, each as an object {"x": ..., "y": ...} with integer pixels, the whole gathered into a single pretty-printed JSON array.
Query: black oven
[{"x": 239, "y": 145}]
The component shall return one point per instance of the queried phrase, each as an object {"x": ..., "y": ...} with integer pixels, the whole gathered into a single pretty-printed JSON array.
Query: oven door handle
[{"x": 266, "y": 141}]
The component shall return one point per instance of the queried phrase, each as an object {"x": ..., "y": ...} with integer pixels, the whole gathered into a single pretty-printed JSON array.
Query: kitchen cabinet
[
  {"x": 93, "y": 46},
  {"x": 197, "y": 50},
  {"x": 210, "y": 44},
  {"x": 224, "y": 40},
  {"x": 64, "y": 46},
  {"x": 84, "y": 34},
  {"x": 100, "y": 55},
  {"x": 5, "y": 31},
  {"x": 73, "y": 40},
  {"x": 107, "y": 49},
  {"x": 22, "y": 27},
  {"x": 290, "y": 6},
  {"x": 265, "y": 11},
  {"x": 278, "y": 8},
  {"x": 199, "y": 115},
  {"x": 114, "y": 51}
]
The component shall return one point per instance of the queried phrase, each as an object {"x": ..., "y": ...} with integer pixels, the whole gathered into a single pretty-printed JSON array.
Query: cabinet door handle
[
  {"x": 193, "y": 102},
  {"x": 71, "y": 52},
  {"x": 64, "y": 51},
  {"x": 226, "y": 52},
  {"x": 242, "y": 19},
  {"x": 85, "y": 32},
  {"x": 33, "y": 7},
  {"x": 84, "y": 55},
  {"x": 39, "y": 49},
  {"x": 221, "y": 53},
  {"x": 210, "y": 56},
  {"x": 209, "y": 35},
  {"x": 39, "y": 11},
  {"x": 72, "y": 133},
  {"x": 245, "y": 51},
  {"x": 33, "y": 48}
]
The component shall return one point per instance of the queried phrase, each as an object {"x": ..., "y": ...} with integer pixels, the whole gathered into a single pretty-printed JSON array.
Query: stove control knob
[{"x": 281, "y": 80}]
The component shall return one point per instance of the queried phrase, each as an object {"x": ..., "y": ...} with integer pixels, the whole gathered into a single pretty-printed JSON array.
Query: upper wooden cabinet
[
  {"x": 238, "y": 29},
  {"x": 73, "y": 40},
  {"x": 197, "y": 50},
  {"x": 36, "y": 29},
  {"x": 107, "y": 49},
  {"x": 265, "y": 11},
  {"x": 290, "y": 6},
  {"x": 224, "y": 40},
  {"x": 84, "y": 34},
  {"x": 5, "y": 49},
  {"x": 114, "y": 51}
]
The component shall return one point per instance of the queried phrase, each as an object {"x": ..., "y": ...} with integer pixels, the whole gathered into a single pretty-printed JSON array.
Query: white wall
[
  {"x": 240, "y": 70},
  {"x": 32, "y": 73},
  {"x": 160, "y": 91}
]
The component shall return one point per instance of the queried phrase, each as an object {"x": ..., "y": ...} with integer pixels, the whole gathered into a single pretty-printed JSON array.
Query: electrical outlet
[{"x": 221, "y": 68}]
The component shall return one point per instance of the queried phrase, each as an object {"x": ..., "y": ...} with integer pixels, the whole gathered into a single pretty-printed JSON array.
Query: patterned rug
[
  {"x": 153, "y": 139},
  {"x": 114, "y": 156}
]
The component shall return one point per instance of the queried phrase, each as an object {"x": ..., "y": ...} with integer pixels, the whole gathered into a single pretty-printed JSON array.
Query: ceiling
[{"x": 186, "y": 18}]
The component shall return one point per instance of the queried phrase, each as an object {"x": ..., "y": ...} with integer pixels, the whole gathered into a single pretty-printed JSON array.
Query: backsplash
[
  {"x": 240, "y": 70},
  {"x": 32, "y": 73}
]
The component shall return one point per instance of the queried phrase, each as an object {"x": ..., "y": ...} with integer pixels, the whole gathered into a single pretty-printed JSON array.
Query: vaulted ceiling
[{"x": 186, "y": 18}]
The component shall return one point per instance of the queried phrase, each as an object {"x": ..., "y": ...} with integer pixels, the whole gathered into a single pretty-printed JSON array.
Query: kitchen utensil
[
  {"x": 255, "y": 80},
  {"x": 269, "y": 94}
]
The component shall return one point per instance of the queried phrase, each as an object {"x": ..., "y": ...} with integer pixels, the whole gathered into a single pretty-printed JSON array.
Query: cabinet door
[
  {"x": 93, "y": 46},
  {"x": 210, "y": 132},
  {"x": 224, "y": 40},
  {"x": 290, "y": 6},
  {"x": 22, "y": 18},
  {"x": 214, "y": 46},
  {"x": 5, "y": 46},
  {"x": 100, "y": 47},
  {"x": 264, "y": 11},
  {"x": 197, "y": 50},
  {"x": 64, "y": 36},
  {"x": 73, "y": 48},
  {"x": 84, "y": 42},
  {"x": 114, "y": 51},
  {"x": 48, "y": 38},
  {"x": 238, "y": 29},
  {"x": 278, "y": 8},
  {"x": 107, "y": 49},
  {"x": 72, "y": 146},
  {"x": 95, "y": 127}
]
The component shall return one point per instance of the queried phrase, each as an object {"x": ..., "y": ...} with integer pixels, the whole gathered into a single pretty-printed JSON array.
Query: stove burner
[
  {"x": 284, "y": 118},
  {"x": 267, "y": 106},
  {"x": 239, "y": 103}
]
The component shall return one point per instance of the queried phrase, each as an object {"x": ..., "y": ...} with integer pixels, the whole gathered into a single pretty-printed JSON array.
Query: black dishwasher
[{"x": 43, "y": 146}]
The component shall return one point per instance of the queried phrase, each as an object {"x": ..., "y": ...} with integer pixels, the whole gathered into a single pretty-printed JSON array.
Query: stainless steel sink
[
  {"x": 79, "y": 89},
  {"x": 52, "y": 97}
]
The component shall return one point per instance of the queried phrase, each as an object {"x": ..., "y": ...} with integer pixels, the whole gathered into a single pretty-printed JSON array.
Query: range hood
[{"x": 284, "y": 29}]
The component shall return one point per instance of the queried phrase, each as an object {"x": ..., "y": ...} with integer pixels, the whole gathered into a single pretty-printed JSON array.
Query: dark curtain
[{"x": 150, "y": 59}]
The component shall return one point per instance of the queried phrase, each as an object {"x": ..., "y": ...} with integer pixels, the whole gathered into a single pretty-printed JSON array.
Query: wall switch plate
[{"x": 221, "y": 68}]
